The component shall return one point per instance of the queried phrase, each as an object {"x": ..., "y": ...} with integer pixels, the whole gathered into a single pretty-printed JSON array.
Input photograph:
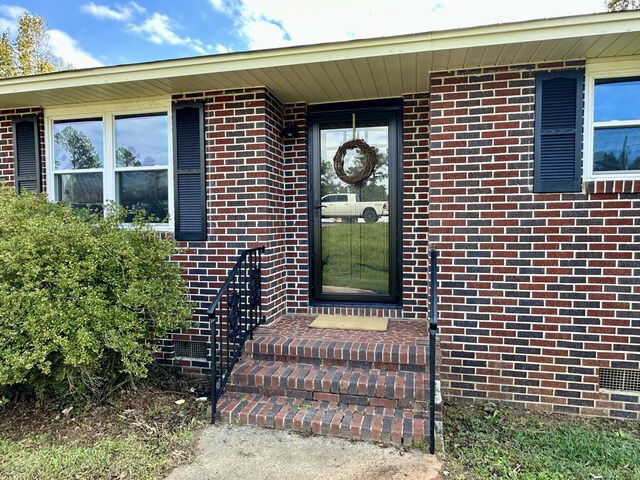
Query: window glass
[
  {"x": 616, "y": 149},
  {"x": 146, "y": 190},
  {"x": 617, "y": 99},
  {"x": 81, "y": 190},
  {"x": 135, "y": 178},
  {"x": 141, "y": 140},
  {"x": 78, "y": 144}
]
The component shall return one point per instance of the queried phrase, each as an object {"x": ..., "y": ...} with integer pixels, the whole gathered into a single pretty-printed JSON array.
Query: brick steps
[
  {"x": 397, "y": 426},
  {"x": 358, "y": 385},
  {"x": 383, "y": 356},
  {"x": 341, "y": 384}
]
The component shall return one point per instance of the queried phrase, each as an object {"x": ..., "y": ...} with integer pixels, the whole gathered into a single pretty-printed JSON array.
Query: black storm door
[{"x": 355, "y": 230}]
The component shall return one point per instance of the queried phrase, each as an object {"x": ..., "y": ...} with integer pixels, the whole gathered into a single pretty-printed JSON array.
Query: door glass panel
[{"x": 355, "y": 218}]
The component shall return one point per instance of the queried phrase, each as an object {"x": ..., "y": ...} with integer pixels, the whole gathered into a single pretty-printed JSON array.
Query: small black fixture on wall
[{"x": 290, "y": 130}]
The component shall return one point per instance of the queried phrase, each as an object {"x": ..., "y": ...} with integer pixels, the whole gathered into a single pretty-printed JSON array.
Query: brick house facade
[{"x": 538, "y": 291}]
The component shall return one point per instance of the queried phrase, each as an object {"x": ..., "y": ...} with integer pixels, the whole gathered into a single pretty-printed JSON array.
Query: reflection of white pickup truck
[{"x": 347, "y": 205}]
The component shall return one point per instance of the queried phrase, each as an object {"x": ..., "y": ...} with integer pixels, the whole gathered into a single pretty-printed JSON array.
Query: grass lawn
[
  {"x": 356, "y": 255},
  {"x": 140, "y": 435},
  {"x": 492, "y": 441}
]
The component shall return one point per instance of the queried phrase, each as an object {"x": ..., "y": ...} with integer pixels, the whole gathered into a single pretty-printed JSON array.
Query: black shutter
[
  {"x": 558, "y": 132},
  {"x": 26, "y": 153},
  {"x": 188, "y": 145}
]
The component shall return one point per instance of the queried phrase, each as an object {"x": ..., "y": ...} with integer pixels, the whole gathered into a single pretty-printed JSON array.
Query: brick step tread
[
  {"x": 358, "y": 354},
  {"x": 332, "y": 383},
  {"x": 373, "y": 424}
]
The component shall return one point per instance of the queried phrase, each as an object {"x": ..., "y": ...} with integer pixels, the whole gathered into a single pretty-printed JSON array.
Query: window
[
  {"x": 612, "y": 149},
  {"x": 334, "y": 198},
  {"x": 79, "y": 162},
  {"x": 616, "y": 125},
  {"x": 113, "y": 155}
]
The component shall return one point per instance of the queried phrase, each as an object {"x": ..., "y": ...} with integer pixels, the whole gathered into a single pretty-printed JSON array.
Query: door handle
[{"x": 320, "y": 206}]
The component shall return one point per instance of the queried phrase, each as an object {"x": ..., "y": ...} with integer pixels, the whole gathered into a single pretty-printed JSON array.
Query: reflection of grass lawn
[{"x": 356, "y": 256}]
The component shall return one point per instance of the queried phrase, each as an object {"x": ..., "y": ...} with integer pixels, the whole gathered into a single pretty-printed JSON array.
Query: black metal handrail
[
  {"x": 433, "y": 329},
  {"x": 233, "y": 316}
]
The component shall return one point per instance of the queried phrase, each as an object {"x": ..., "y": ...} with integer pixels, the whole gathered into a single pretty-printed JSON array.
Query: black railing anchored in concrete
[
  {"x": 233, "y": 316},
  {"x": 433, "y": 330}
]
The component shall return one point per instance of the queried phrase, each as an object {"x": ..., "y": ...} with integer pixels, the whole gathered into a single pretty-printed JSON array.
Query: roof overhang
[{"x": 358, "y": 69}]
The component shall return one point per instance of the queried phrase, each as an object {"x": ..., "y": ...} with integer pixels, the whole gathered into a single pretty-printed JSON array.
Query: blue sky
[{"x": 93, "y": 33}]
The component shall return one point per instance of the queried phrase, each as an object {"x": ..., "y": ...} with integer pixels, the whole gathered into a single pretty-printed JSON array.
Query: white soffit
[{"x": 358, "y": 69}]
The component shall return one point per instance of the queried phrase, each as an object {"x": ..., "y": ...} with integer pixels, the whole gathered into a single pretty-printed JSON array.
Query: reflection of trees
[
  {"x": 146, "y": 191},
  {"x": 83, "y": 153},
  {"x": 126, "y": 158},
  {"x": 375, "y": 188},
  {"x": 611, "y": 161},
  {"x": 81, "y": 190}
]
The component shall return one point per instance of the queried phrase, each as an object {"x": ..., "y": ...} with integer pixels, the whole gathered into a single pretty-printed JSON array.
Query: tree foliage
[
  {"x": 618, "y": 5},
  {"x": 126, "y": 158},
  {"x": 28, "y": 53},
  {"x": 83, "y": 153},
  {"x": 375, "y": 188},
  {"x": 82, "y": 297}
]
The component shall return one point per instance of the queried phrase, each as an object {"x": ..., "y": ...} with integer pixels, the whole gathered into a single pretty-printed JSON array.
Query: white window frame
[
  {"x": 108, "y": 113},
  {"x": 599, "y": 69}
]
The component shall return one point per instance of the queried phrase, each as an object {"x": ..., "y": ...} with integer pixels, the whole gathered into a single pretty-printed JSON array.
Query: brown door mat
[{"x": 349, "y": 322}]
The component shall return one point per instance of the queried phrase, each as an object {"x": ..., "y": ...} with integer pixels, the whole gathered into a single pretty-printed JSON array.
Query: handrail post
[
  {"x": 433, "y": 329},
  {"x": 214, "y": 368},
  {"x": 231, "y": 319}
]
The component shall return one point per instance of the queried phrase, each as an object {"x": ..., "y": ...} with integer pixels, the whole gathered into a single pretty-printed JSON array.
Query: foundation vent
[
  {"x": 620, "y": 379},
  {"x": 191, "y": 349}
]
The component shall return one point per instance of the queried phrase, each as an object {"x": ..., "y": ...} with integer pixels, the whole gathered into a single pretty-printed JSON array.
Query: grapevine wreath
[{"x": 369, "y": 161}]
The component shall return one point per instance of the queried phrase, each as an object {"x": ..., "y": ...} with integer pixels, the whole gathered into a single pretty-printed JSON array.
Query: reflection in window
[
  {"x": 145, "y": 190},
  {"x": 141, "y": 140},
  {"x": 136, "y": 176},
  {"x": 77, "y": 144},
  {"x": 80, "y": 190},
  {"x": 375, "y": 188},
  {"x": 616, "y": 134},
  {"x": 616, "y": 149},
  {"x": 617, "y": 99}
]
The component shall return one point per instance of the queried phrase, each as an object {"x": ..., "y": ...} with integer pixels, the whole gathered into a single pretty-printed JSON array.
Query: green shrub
[{"x": 82, "y": 297}]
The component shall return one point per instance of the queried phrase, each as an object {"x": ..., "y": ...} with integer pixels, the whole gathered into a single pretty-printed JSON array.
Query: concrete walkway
[{"x": 250, "y": 453}]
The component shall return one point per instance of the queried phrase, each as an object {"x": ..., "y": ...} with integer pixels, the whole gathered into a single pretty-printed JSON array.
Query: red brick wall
[
  {"x": 537, "y": 291},
  {"x": 296, "y": 213},
  {"x": 415, "y": 204},
  {"x": 7, "y": 173},
  {"x": 245, "y": 203}
]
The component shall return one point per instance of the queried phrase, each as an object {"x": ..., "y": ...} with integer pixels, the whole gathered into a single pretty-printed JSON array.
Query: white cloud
[
  {"x": 65, "y": 47},
  {"x": 119, "y": 13},
  {"x": 9, "y": 17},
  {"x": 60, "y": 43},
  {"x": 278, "y": 23},
  {"x": 222, "y": 5},
  {"x": 156, "y": 28},
  {"x": 219, "y": 48}
]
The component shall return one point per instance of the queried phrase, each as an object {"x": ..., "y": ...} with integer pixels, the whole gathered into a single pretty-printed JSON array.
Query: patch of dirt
[{"x": 160, "y": 417}]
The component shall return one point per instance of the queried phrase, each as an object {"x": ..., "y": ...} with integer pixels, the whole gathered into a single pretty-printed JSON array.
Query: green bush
[{"x": 82, "y": 297}]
